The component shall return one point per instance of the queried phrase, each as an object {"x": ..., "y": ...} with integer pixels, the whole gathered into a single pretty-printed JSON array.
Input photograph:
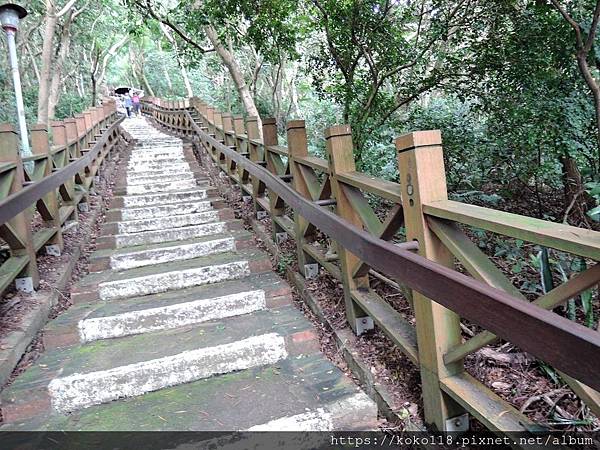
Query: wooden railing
[
  {"x": 54, "y": 181},
  {"x": 281, "y": 180}
]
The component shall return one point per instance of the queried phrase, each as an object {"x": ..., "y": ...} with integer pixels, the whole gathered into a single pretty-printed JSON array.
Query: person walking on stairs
[
  {"x": 128, "y": 102},
  {"x": 135, "y": 99}
]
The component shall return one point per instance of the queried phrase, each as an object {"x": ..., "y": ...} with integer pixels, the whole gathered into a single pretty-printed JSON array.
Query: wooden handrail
[
  {"x": 560, "y": 342},
  {"x": 502, "y": 311},
  {"x": 578, "y": 241}
]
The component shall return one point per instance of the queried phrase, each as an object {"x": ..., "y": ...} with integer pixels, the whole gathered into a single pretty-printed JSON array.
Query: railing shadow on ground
[{"x": 282, "y": 179}]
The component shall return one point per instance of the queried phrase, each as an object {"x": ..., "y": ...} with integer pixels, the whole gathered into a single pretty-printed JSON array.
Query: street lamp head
[{"x": 10, "y": 15}]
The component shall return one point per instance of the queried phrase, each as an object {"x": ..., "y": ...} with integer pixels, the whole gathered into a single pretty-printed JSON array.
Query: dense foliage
[{"x": 502, "y": 80}]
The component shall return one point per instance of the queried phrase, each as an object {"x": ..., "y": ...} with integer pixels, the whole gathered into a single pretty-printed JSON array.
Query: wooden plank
[
  {"x": 364, "y": 210},
  {"x": 319, "y": 164},
  {"x": 578, "y": 241},
  {"x": 588, "y": 395},
  {"x": 391, "y": 322},
  {"x": 423, "y": 179},
  {"x": 64, "y": 212},
  {"x": 12, "y": 237},
  {"x": 487, "y": 407},
  {"x": 341, "y": 158},
  {"x": 311, "y": 181},
  {"x": 41, "y": 237},
  {"x": 552, "y": 299},
  {"x": 10, "y": 269},
  {"x": 319, "y": 256},
  {"x": 5, "y": 166},
  {"x": 386, "y": 189},
  {"x": 287, "y": 224},
  {"x": 279, "y": 149},
  {"x": 474, "y": 260},
  {"x": 6, "y": 181}
]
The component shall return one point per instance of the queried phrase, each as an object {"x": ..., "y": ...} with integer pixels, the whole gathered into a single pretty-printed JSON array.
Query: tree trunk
[
  {"x": 46, "y": 69},
  {"x": 575, "y": 196},
  {"x": 164, "y": 67},
  {"x": 236, "y": 75},
  {"x": 182, "y": 69},
  {"x": 56, "y": 78}
]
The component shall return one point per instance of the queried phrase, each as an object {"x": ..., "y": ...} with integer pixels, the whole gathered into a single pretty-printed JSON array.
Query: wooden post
[
  {"x": 88, "y": 123},
  {"x": 68, "y": 190},
  {"x": 229, "y": 141},
  {"x": 17, "y": 231},
  {"x": 297, "y": 147},
  {"x": 219, "y": 136},
  {"x": 423, "y": 180},
  {"x": 341, "y": 160},
  {"x": 241, "y": 146},
  {"x": 59, "y": 134},
  {"x": 49, "y": 209},
  {"x": 258, "y": 187},
  {"x": 276, "y": 205},
  {"x": 210, "y": 114}
]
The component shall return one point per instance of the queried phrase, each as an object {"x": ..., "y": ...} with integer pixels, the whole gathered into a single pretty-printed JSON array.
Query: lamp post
[{"x": 10, "y": 15}]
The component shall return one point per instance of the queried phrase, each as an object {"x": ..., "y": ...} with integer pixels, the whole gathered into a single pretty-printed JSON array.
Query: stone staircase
[{"x": 181, "y": 324}]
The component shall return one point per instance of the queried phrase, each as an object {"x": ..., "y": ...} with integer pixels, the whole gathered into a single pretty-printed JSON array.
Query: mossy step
[
  {"x": 159, "y": 223},
  {"x": 163, "y": 209},
  {"x": 234, "y": 401},
  {"x": 112, "y": 285},
  {"x": 108, "y": 354},
  {"x": 63, "y": 330},
  {"x": 132, "y": 201},
  {"x": 152, "y": 187},
  {"x": 106, "y": 253},
  {"x": 172, "y": 234}
]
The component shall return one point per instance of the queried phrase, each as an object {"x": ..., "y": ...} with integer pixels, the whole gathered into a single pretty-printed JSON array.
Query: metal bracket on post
[
  {"x": 83, "y": 207},
  {"x": 53, "y": 250},
  {"x": 458, "y": 424},
  {"x": 281, "y": 237},
  {"x": 260, "y": 215},
  {"x": 363, "y": 324},
  {"x": 311, "y": 270},
  {"x": 24, "y": 284}
]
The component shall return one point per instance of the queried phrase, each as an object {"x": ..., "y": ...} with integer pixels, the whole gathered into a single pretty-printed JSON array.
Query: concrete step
[
  {"x": 86, "y": 389},
  {"x": 149, "y": 166},
  {"x": 160, "y": 178},
  {"x": 342, "y": 414},
  {"x": 172, "y": 169},
  {"x": 180, "y": 274},
  {"x": 155, "y": 159},
  {"x": 144, "y": 200},
  {"x": 111, "y": 285},
  {"x": 161, "y": 210},
  {"x": 103, "y": 370},
  {"x": 136, "y": 315},
  {"x": 236, "y": 401},
  {"x": 167, "y": 235},
  {"x": 150, "y": 188},
  {"x": 146, "y": 255},
  {"x": 160, "y": 223}
]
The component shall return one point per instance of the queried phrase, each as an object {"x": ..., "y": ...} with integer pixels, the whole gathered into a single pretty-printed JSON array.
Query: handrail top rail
[{"x": 560, "y": 236}]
